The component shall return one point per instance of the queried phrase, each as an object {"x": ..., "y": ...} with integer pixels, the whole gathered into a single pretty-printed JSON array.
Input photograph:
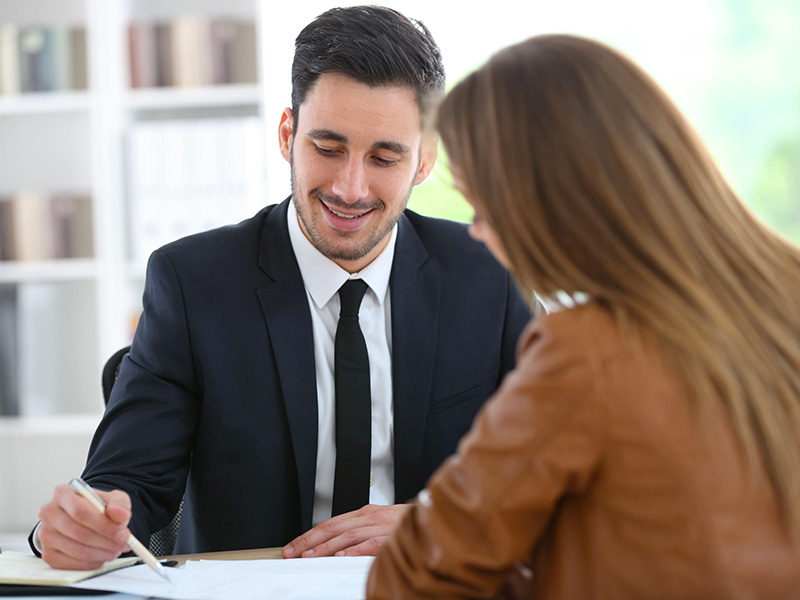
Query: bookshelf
[
  {"x": 61, "y": 318},
  {"x": 241, "y": 95},
  {"x": 43, "y": 271},
  {"x": 37, "y": 104}
]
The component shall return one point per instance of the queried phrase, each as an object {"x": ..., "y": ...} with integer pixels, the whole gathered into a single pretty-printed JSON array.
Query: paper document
[
  {"x": 330, "y": 578},
  {"x": 26, "y": 569}
]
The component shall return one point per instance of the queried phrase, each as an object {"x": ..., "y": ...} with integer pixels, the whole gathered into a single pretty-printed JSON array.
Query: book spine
[
  {"x": 191, "y": 43},
  {"x": 32, "y": 226},
  {"x": 9, "y": 352},
  {"x": 134, "y": 55},
  {"x": 47, "y": 60},
  {"x": 79, "y": 71},
  {"x": 245, "y": 63},
  {"x": 80, "y": 231},
  {"x": 61, "y": 209},
  {"x": 223, "y": 34},
  {"x": 62, "y": 58},
  {"x": 7, "y": 245},
  {"x": 142, "y": 55},
  {"x": 163, "y": 52},
  {"x": 31, "y": 42},
  {"x": 9, "y": 59}
]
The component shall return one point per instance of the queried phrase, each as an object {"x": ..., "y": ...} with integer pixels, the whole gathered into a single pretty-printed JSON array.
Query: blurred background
[{"x": 125, "y": 124}]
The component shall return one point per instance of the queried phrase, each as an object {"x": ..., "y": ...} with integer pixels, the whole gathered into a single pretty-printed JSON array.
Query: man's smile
[{"x": 347, "y": 217}]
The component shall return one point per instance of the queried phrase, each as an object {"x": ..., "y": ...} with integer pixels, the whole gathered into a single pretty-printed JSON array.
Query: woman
[{"x": 647, "y": 444}]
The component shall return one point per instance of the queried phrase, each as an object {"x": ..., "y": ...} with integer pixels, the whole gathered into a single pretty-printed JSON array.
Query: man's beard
[{"x": 332, "y": 250}]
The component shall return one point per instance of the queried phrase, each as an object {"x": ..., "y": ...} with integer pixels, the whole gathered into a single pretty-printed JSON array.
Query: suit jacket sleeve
[{"x": 142, "y": 445}]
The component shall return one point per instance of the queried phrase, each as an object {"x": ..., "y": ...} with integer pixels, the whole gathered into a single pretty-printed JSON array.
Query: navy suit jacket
[{"x": 217, "y": 397}]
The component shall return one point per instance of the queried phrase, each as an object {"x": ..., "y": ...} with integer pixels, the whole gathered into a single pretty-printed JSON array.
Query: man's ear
[
  {"x": 429, "y": 152},
  {"x": 286, "y": 134}
]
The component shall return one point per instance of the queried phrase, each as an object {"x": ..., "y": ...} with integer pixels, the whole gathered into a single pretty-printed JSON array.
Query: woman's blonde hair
[{"x": 596, "y": 184}]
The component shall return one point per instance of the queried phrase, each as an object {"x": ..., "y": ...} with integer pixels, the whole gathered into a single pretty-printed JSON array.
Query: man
[{"x": 229, "y": 393}]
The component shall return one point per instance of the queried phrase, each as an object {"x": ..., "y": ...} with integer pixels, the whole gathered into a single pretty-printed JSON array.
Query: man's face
[{"x": 357, "y": 153}]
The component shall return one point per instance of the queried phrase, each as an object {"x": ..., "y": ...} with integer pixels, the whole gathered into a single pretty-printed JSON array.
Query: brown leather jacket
[{"x": 589, "y": 463}]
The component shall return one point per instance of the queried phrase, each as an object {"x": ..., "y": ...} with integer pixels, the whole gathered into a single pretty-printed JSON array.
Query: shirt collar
[{"x": 323, "y": 277}]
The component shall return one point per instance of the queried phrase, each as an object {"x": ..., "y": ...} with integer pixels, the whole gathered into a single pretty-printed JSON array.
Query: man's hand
[
  {"x": 357, "y": 533},
  {"x": 73, "y": 534}
]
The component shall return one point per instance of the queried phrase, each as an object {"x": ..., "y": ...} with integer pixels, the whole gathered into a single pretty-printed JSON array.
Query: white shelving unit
[
  {"x": 53, "y": 271},
  {"x": 44, "y": 103},
  {"x": 72, "y": 314},
  {"x": 187, "y": 98}
]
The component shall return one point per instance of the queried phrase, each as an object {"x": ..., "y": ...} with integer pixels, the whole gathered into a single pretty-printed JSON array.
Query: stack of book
[
  {"x": 191, "y": 175},
  {"x": 42, "y": 59},
  {"x": 44, "y": 226},
  {"x": 192, "y": 51}
]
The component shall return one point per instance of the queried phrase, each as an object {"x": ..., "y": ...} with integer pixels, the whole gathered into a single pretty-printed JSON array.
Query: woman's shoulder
[
  {"x": 588, "y": 346},
  {"x": 586, "y": 329}
]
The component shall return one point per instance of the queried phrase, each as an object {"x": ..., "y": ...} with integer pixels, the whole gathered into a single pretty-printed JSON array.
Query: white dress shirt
[{"x": 323, "y": 278}]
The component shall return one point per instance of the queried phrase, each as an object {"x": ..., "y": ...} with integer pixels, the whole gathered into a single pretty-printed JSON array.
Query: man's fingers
[
  {"x": 63, "y": 552},
  {"x": 118, "y": 514},
  {"x": 63, "y": 560},
  {"x": 115, "y": 498},
  {"x": 56, "y": 524},
  {"x": 347, "y": 539},
  {"x": 118, "y": 505},
  {"x": 74, "y": 517},
  {"x": 348, "y": 531},
  {"x": 86, "y": 516},
  {"x": 366, "y": 548},
  {"x": 351, "y": 538},
  {"x": 74, "y": 534},
  {"x": 328, "y": 529}
]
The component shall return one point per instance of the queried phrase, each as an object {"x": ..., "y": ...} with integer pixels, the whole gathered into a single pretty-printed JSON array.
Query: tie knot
[{"x": 350, "y": 295}]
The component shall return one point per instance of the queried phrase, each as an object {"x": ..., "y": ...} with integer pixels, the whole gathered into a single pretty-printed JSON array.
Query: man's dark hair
[{"x": 374, "y": 45}]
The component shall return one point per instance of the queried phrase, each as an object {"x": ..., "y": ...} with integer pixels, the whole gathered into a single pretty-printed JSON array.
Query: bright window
[{"x": 730, "y": 65}]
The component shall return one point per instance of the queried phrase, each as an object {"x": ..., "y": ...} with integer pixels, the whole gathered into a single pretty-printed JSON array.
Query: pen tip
[{"x": 160, "y": 570}]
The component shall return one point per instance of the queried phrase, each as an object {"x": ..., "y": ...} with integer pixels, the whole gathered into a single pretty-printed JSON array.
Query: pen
[{"x": 80, "y": 486}]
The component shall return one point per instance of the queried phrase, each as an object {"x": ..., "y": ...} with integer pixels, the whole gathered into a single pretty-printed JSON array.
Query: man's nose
[{"x": 351, "y": 181}]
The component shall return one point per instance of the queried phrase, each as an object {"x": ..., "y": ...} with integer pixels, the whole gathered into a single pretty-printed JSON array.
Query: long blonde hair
[{"x": 597, "y": 185}]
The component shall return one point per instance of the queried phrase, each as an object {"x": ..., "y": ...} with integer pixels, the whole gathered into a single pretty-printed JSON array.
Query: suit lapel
[
  {"x": 415, "y": 314},
  {"x": 285, "y": 307}
]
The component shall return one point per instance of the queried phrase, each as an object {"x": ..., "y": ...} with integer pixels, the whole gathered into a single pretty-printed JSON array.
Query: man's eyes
[
  {"x": 384, "y": 162},
  {"x": 326, "y": 151},
  {"x": 378, "y": 160}
]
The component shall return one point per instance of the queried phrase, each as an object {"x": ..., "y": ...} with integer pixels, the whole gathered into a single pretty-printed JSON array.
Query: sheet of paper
[
  {"x": 26, "y": 569},
  {"x": 331, "y": 578}
]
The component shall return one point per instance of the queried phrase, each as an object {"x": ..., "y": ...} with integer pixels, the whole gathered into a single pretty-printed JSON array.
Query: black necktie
[{"x": 353, "y": 405}]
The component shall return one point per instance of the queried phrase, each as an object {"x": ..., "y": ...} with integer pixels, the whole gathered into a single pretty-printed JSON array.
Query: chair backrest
[
  {"x": 162, "y": 542},
  {"x": 111, "y": 370}
]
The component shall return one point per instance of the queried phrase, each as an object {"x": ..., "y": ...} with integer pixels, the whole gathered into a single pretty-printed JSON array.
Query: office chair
[{"x": 162, "y": 542}]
